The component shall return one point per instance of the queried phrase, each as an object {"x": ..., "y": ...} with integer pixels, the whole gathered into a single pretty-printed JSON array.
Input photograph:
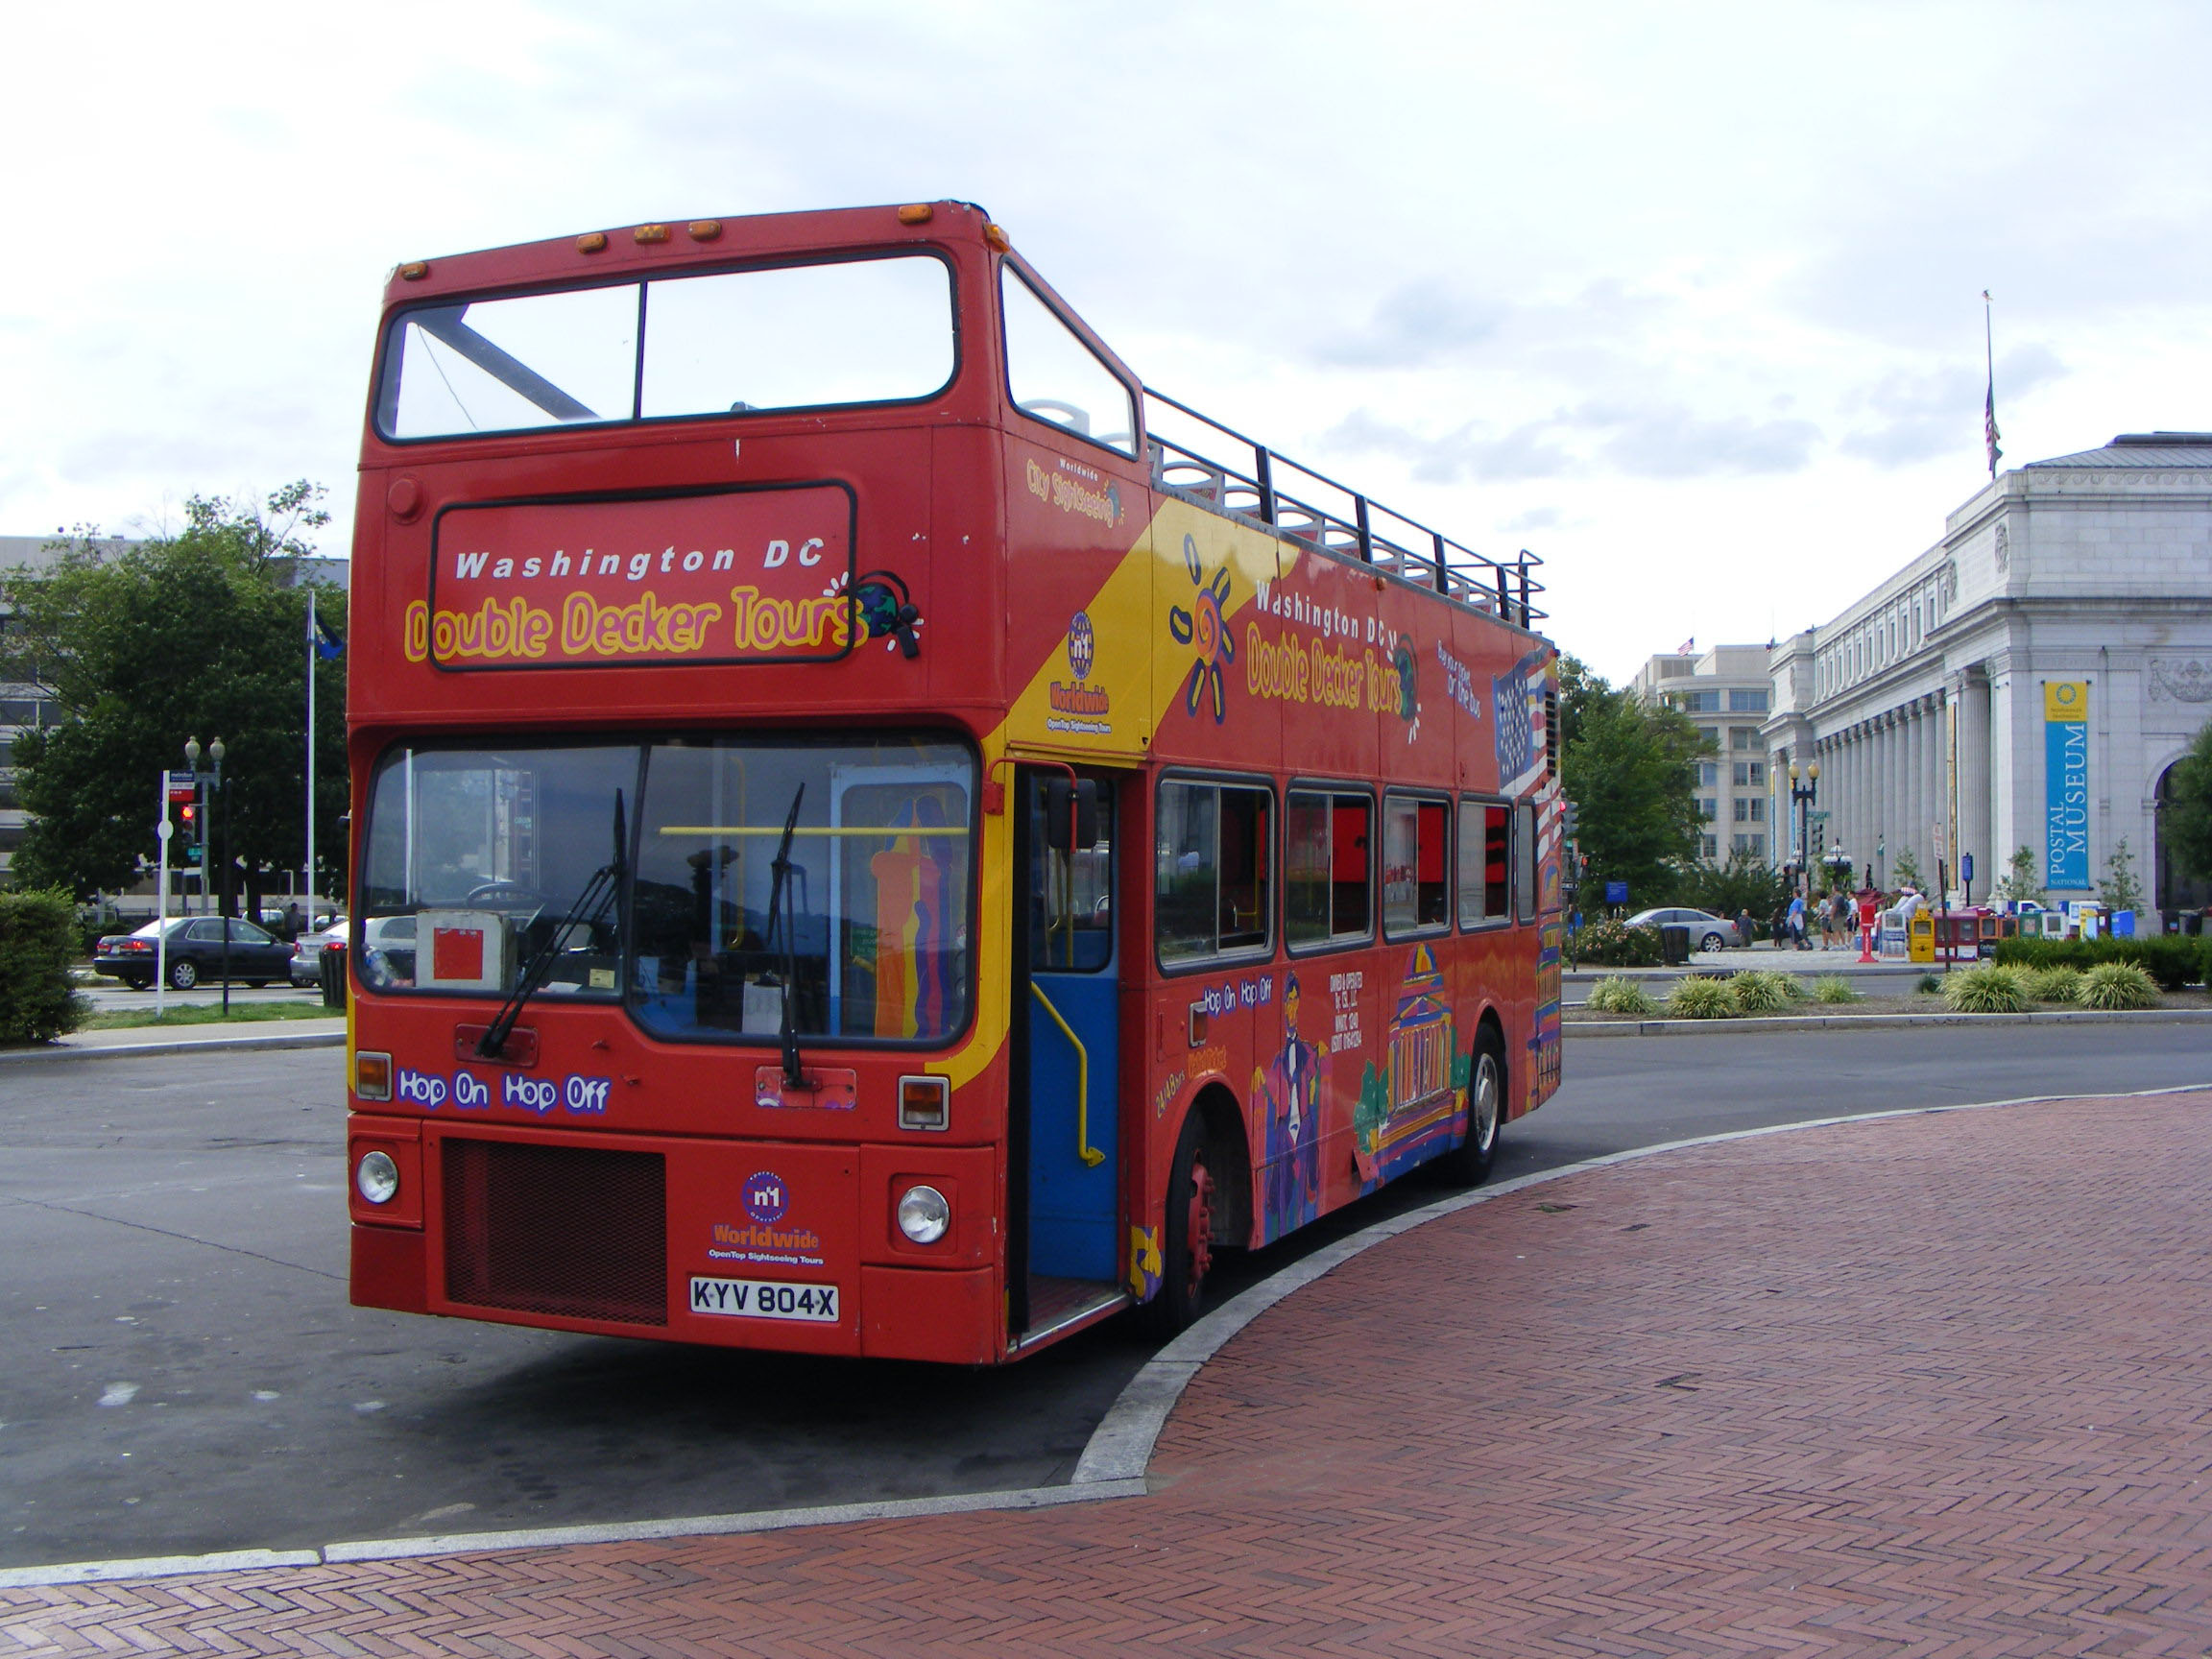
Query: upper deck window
[
  {"x": 1052, "y": 376},
  {"x": 731, "y": 341}
]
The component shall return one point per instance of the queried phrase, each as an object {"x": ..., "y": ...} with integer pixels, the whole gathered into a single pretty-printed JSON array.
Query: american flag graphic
[{"x": 1517, "y": 699}]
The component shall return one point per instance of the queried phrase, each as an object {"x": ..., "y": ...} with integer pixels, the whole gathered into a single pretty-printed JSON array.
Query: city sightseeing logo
[
  {"x": 1079, "y": 706},
  {"x": 1080, "y": 642}
]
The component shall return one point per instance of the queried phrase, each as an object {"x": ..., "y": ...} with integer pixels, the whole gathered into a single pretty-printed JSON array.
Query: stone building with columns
[{"x": 1924, "y": 700}]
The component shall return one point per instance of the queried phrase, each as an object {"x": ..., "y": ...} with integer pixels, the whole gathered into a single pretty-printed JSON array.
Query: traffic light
[{"x": 189, "y": 815}]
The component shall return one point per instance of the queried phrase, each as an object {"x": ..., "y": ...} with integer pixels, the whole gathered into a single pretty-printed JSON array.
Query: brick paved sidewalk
[{"x": 1934, "y": 1385}]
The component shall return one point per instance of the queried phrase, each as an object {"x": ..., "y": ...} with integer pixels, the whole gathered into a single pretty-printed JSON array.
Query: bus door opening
[{"x": 1066, "y": 1030}]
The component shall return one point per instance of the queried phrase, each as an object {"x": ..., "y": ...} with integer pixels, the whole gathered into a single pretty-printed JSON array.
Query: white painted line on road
[
  {"x": 1113, "y": 1460},
  {"x": 720, "y": 1526}
]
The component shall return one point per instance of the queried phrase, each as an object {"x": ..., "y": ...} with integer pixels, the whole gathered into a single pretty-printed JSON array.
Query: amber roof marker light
[
  {"x": 645, "y": 233},
  {"x": 414, "y": 270},
  {"x": 996, "y": 236},
  {"x": 704, "y": 230},
  {"x": 917, "y": 213},
  {"x": 591, "y": 242}
]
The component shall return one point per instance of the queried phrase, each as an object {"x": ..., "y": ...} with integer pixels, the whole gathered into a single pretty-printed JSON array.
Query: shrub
[
  {"x": 2060, "y": 984},
  {"x": 1762, "y": 990},
  {"x": 1703, "y": 1000},
  {"x": 1834, "y": 987},
  {"x": 1928, "y": 984},
  {"x": 1989, "y": 989},
  {"x": 2173, "y": 960},
  {"x": 1617, "y": 945},
  {"x": 38, "y": 943},
  {"x": 2116, "y": 985},
  {"x": 1617, "y": 995}
]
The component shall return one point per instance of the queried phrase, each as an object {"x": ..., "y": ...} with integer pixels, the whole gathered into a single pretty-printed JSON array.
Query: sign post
[{"x": 162, "y": 829}]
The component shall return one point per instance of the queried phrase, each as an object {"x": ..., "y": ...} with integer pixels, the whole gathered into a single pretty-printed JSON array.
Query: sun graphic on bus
[{"x": 1204, "y": 628}]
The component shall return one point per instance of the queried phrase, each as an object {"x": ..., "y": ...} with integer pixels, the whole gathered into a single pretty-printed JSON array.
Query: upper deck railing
[{"x": 1279, "y": 493}]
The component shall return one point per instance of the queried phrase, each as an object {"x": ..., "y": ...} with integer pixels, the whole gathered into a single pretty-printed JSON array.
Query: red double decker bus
[{"x": 873, "y": 833}]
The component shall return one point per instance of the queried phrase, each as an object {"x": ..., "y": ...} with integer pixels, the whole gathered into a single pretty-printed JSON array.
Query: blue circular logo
[
  {"x": 766, "y": 1197},
  {"x": 1080, "y": 643}
]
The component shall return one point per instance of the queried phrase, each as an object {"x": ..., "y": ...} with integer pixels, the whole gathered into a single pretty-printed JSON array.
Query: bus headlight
[
  {"x": 923, "y": 1214},
  {"x": 376, "y": 1178}
]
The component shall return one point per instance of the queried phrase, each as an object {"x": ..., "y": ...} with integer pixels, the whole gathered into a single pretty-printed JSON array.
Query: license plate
[{"x": 765, "y": 1299}]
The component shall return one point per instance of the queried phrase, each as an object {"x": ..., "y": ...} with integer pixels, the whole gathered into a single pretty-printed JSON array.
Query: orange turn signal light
[
  {"x": 372, "y": 1076},
  {"x": 923, "y": 1103},
  {"x": 917, "y": 213},
  {"x": 414, "y": 270},
  {"x": 591, "y": 242},
  {"x": 650, "y": 234}
]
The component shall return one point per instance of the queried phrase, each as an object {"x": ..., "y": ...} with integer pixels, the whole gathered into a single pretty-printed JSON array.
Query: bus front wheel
[
  {"x": 1187, "y": 1255},
  {"x": 1469, "y": 1162}
]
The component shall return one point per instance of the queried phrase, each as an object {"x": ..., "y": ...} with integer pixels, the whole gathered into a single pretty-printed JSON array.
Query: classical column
[
  {"x": 1915, "y": 817},
  {"x": 1974, "y": 772}
]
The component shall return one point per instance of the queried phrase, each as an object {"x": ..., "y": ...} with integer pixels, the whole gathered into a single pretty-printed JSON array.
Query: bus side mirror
[{"x": 1070, "y": 813}]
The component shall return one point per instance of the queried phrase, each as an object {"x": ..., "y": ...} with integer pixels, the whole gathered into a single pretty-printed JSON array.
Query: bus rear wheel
[
  {"x": 1187, "y": 1254},
  {"x": 1469, "y": 1162}
]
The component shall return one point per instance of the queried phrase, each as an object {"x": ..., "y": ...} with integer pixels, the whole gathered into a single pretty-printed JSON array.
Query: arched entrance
[{"x": 2174, "y": 892}]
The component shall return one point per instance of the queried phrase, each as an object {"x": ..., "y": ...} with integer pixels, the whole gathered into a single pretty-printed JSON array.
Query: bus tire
[
  {"x": 1469, "y": 1162},
  {"x": 1186, "y": 1251}
]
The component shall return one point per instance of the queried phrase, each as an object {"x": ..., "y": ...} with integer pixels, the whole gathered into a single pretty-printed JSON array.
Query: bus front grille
[{"x": 572, "y": 1231}]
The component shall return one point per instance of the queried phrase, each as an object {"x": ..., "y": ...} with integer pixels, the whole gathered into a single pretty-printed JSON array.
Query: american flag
[
  {"x": 1989, "y": 432},
  {"x": 1517, "y": 701}
]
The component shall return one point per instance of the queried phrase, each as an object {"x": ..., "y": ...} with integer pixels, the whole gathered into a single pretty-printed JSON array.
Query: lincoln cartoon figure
[{"x": 1290, "y": 1089}]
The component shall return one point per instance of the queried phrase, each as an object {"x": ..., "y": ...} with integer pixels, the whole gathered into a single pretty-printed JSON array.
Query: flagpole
[
  {"x": 311, "y": 655},
  {"x": 1989, "y": 403}
]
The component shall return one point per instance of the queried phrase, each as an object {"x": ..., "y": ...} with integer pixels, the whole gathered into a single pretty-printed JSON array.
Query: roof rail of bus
[{"x": 1277, "y": 492}]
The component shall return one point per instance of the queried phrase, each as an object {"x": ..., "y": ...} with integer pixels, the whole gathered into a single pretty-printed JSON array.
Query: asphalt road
[{"x": 183, "y": 1372}]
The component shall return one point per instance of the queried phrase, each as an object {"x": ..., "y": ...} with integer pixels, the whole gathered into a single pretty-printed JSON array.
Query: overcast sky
[{"x": 1685, "y": 299}]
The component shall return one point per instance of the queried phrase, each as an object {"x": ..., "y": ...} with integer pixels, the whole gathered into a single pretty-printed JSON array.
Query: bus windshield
[
  {"x": 474, "y": 859},
  {"x": 731, "y": 341}
]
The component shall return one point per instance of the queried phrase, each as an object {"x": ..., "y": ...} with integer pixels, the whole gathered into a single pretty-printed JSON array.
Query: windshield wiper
[
  {"x": 781, "y": 898},
  {"x": 603, "y": 890}
]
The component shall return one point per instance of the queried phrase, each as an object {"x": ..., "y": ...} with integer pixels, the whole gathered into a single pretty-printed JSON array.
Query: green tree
[
  {"x": 2019, "y": 878},
  {"x": 190, "y": 635},
  {"x": 1905, "y": 871},
  {"x": 1632, "y": 772},
  {"x": 2187, "y": 820},
  {"x": 2118, "y": 890},
  {"x": 1745, "y": 882}
]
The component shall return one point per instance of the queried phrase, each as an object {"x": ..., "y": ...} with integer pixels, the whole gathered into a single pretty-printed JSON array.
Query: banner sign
[
  {"x": 2066, "y": 784},
  {"x": 735, "y": 576}
]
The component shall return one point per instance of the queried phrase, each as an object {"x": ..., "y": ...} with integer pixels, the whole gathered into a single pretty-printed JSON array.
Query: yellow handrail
[{"x": 1091, "y": 1155}]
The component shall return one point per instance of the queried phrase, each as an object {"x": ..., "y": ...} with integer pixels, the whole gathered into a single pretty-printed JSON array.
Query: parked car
[
  {"x": 194, "y": 952},
  {"x": 307, "y": 961},
  {"x": 1707, "y": 932}
]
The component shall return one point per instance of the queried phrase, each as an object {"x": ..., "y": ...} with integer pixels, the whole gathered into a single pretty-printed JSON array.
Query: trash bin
[
  {"x": 331, "y": 965},
  {"x": 1675, "y": 945}
]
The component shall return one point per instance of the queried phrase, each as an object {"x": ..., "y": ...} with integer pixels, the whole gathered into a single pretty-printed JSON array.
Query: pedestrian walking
[{"x": 1797, "y": 922}]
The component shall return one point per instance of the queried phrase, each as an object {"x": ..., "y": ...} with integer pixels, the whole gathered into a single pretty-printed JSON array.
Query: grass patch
[
  {"x": 1986, "y": 990},
  {"x": 1764, "y": 990},
  {"x": 2116, "y": 985},
  {"x": 1703, "y": 1000},
  {"x": 208, "y": 1013},
  {"x": 1834, "y": 987},
  {"x": 1618, "y": 993},
  {"x": 2055, "y": 984}
]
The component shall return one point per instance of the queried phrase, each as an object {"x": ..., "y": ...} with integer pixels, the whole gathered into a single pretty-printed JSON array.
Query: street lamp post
[{"x": 1801, "y": 797}]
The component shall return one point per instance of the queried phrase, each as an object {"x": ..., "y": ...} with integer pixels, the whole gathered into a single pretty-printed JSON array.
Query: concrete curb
[
  {"x": 66, "y": 1050},
  {"x": 1758, "y": 1024}
]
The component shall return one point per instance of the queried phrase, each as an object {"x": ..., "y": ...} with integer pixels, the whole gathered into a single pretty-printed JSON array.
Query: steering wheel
[{"x": 507, "y": 894}]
